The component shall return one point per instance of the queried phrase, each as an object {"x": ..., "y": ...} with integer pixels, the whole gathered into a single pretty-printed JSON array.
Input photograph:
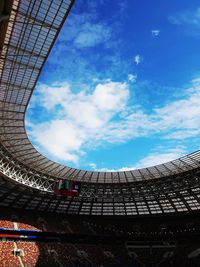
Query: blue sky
[{"x": 121, "y": 87}]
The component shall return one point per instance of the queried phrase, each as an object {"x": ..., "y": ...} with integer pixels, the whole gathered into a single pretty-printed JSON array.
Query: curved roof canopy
[{"x": 28, "y": 30}]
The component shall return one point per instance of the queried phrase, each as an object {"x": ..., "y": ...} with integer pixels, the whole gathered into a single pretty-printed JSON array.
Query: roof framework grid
[{"x": 28, "y": 34}]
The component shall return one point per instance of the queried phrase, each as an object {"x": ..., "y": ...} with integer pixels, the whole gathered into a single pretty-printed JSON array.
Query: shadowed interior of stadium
[{"x": 55, "y": 215}]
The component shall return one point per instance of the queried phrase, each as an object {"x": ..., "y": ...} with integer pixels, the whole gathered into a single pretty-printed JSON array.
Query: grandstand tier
[{"x": 98, "y": 241}]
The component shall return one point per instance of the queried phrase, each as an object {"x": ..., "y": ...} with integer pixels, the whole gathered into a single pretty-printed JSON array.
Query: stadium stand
[
  {"x": 54, "y": 215},
  {"x": 55, "y": 254},
  {"x": 169, "y": 241},
  {"x": 7, "y": 258}
]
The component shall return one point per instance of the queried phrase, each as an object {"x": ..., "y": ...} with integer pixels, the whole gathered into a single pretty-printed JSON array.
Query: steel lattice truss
[
  {"x": 28, "y": 30},
  {"x": 137, "y": 199}
]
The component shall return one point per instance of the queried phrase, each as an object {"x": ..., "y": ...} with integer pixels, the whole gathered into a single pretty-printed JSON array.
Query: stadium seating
[
  {"x": 60, "y": 254},
  {"x": 31, "y": 252},
  {"x": 6, "y": 224},
  {"x": 7, "y": 259},
  {"x": 26, "y": 226},
  {"x": 45, "y": 255}
]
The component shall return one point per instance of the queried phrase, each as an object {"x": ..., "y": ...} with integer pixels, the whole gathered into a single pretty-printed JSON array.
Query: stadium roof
[{"x": 28, "y": 30}]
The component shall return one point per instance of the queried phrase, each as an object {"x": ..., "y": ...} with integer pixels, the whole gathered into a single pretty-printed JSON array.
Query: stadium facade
[
  {"x": 153, "y": 210},
  {"x": 28, "y": 30}
]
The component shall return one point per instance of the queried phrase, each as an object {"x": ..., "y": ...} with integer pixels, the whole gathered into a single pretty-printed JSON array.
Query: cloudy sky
[{"x": 121, "y": 88}]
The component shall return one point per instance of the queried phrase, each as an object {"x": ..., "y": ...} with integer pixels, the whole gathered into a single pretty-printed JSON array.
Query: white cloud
[
  {"x": 176, "y": 120},
  {"x": 92, "y": 110},
  {"x": 161, "y": 157},
  {"x": 155, "y": 32},
  {"x": 137, "y": 59},
  {"x": 110, "y": 96},
  {"x": 85, "y": 30},
  {"x": 59, "y": 138},
  {"x": 91, "y": 35},
  {"x": 54, "y": 95},
  {"x": 132, "y": 77},
  {"x": 93, "y": 166},
  {"x": 86, "y": 119},
  {"x": 76, "y": 119},
  {"x": 182, "y": 135},
  {"x": 152, "y": 159},
  {"x": 182, "y": 114},
  {"x": 189, "y": 19}
]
